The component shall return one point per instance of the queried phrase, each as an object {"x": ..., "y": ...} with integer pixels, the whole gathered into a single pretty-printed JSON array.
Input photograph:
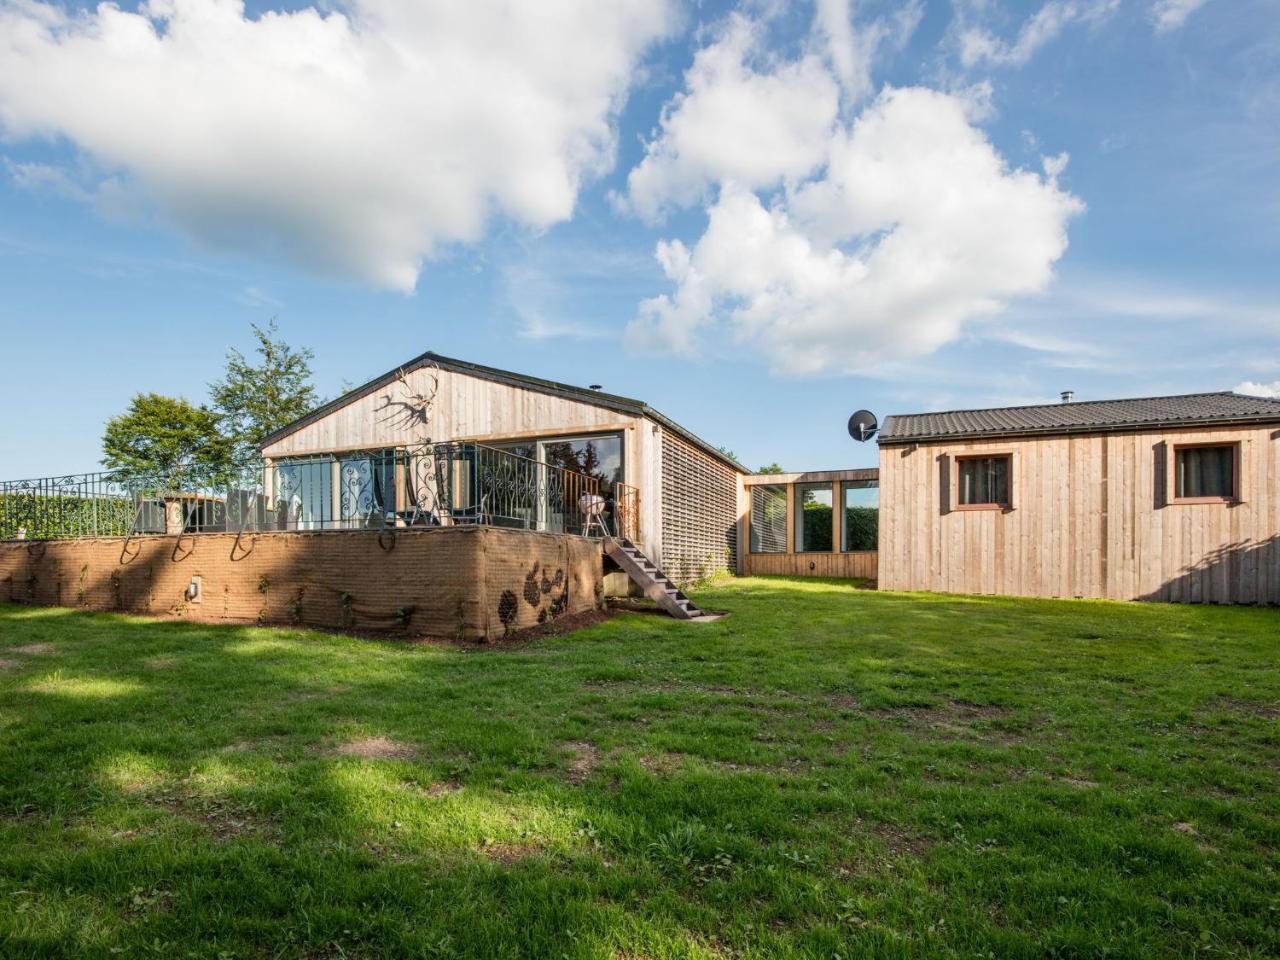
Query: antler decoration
[{"x": 413, "y": 410}]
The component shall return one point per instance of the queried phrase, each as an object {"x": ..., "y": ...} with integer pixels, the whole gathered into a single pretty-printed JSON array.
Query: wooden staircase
[{"x": 657, "y": 586}]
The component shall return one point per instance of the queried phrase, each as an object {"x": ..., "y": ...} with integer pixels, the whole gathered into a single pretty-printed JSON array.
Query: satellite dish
[{"x": 863, "y": 425}]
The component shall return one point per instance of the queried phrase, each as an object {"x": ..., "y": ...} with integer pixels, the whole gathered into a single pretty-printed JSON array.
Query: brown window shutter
[{"x": 944, "y": 484}]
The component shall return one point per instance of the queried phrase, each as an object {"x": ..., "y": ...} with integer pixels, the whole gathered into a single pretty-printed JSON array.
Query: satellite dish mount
[{"x": 863, "y": 426}]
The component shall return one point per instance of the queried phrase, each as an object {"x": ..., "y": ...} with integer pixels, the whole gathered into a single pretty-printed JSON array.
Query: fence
[{"x": 432, "y": 485}]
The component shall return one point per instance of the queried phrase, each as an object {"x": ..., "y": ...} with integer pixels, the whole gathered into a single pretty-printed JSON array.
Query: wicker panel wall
[{"x": 699, "y": 512}]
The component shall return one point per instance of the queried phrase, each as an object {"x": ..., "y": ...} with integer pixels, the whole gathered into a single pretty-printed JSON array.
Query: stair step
[{"x": 656, "y": 584}]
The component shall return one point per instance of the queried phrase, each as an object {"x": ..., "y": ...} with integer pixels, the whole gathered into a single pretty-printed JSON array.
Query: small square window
[
  {"x": 983, "y": 482},
  {"x": 1205, "y": 472}
]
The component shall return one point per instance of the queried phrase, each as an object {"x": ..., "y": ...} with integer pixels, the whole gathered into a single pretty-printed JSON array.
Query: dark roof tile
[{"x": 1087, "y": 416}]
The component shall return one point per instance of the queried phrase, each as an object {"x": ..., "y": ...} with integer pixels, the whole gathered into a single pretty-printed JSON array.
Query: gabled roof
[
  {"x": 1088, "y": 416},
  {"x": 598, "y": 398}
]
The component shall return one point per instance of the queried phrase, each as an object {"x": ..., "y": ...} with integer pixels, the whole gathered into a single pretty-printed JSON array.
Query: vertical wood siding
[
  {"x": 473, "y": 408},
  {"x": 1091, "y": 516}
]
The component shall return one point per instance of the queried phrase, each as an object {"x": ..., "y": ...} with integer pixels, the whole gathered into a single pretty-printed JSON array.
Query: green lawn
[{"x": 826, "y": 772}]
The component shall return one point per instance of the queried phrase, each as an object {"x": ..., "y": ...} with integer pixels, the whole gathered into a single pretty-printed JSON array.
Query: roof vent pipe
[{"x": 1068, "y": 396}]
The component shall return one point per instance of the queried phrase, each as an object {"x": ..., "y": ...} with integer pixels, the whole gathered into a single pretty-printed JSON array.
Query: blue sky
[{"x": 758, "y": 218}]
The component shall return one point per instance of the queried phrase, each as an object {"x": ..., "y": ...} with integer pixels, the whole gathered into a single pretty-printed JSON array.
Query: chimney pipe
[{"x": 1068, "y": 396}]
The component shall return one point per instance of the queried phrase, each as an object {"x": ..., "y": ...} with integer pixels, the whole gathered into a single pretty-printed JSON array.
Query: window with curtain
[
  {"x": 368, "y": 488},
  {"x": 769, "y": 518},
  {"x": 861, "y": 515},
  {"x": 983, "y": 481},
  {"x": 813, "y": 517},
  {"x": 1202, "y": 473},
  {"x": 304, "y": 493}
]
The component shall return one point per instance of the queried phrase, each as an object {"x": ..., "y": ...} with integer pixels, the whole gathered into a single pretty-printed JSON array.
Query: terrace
[{"x": 429, "y": 485}]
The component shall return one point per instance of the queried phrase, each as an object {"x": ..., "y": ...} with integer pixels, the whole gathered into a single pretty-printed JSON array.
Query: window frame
[
  {"x": 957, "y": 458},
  {"x": 1236, "y": 464},
  {"x": 797, "y": 514},
  {"x": 786, "y": 522},
  {"x": 844, "y": 532}
]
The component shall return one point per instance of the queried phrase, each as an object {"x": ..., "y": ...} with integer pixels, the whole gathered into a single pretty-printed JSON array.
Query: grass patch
[{"x": 827, "y": 772}]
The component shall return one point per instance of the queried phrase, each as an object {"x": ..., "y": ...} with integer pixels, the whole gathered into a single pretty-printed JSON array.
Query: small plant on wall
[{"x": 295, "y": 608}]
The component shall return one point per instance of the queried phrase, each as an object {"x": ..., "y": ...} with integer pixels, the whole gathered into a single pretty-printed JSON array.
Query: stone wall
[{"x": 453, "y": 581}]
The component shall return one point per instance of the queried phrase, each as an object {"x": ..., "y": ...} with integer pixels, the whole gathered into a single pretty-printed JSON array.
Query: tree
[
  {"x": 728, "y": 453},
  {"x": 255, "y": 399},
  {"x": 157, "y": 435},
  {"x": 771, "y": 468}
]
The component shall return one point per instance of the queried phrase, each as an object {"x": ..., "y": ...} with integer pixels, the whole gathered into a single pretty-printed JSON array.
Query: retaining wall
[{"x": 452, "y": 581}]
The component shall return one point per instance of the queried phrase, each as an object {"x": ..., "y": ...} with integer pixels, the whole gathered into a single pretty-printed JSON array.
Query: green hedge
[
  {"x": 48, "y": 518},
  {"x": 861, "y": 528}
]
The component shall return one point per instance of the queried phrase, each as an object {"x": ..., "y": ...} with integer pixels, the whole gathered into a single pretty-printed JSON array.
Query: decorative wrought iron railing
[{"x": 432, "y": 485}]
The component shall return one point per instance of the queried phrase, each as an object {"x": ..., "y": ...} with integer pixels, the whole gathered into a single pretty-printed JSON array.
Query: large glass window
[
  {"x": 1205, "y": 472},
  {"x": 861, "y": 515},
  {"x": 813, "y": 517},
  {"x": 597, "y": 458},
  {"x": 523, "y": 493},
  {"x": 769, "y": 518},
  {"x": 983, "y": 481},
  {"x": 304, "y": 493}
]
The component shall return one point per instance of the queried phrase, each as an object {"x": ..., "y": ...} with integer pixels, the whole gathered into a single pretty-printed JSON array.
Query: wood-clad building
[
  {"x": 817, "y": 524},
  {"x": 683, "y": 492},
  {"x": 1163, "y": 498}
]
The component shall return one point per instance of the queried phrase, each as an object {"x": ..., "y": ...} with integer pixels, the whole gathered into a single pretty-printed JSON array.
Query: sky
[{"x": 757, "y": 217}]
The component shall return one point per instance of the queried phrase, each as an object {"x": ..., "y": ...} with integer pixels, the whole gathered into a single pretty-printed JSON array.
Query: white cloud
[
  {"x": 979, "y": 45},
  {"x": 1167, "y": 15},
  {"x": 851, "y": 48},
  {"x": 1255, "y": 389},
  {"x": 915, "y": 227},
  {"x": 756, "y": 127},
  {"x": 357, "y": 142}
]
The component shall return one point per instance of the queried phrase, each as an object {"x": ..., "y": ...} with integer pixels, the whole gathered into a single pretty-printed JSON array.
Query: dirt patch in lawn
[
  {"x": 662, "y": 764},
  {"x": 583, "y": 760},
  {"x": 223, "y": 819},
  {"x": 902, "y": 842},
  {"x": 7, "y": 664},
  {"x": 1249, "y": 708},
  {"x": 36, "y": 649},
  {"x": 956, "y": 720},
  {"x": 509, "y": 853},
  {"x": 376, "y": 748},
  {"x": 160, "y": 663},
  {"x": 440, "y": 788},
  {"x": 1080, "y": 783}
]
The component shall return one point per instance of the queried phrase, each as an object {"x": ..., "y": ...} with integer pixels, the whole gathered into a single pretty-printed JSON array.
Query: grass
[{"x": 827, "y": 772}]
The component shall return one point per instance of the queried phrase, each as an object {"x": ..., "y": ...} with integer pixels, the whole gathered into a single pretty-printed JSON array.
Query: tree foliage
[
  {"x": 771, "y": 469},
  {"x": 259, "y": 396},
  {"x": 157, "y": 434}
]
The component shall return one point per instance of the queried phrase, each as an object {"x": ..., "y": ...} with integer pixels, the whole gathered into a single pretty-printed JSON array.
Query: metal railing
[
  {"x": 627, "y": 511},
  {"x": 431, "y": 485}
]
